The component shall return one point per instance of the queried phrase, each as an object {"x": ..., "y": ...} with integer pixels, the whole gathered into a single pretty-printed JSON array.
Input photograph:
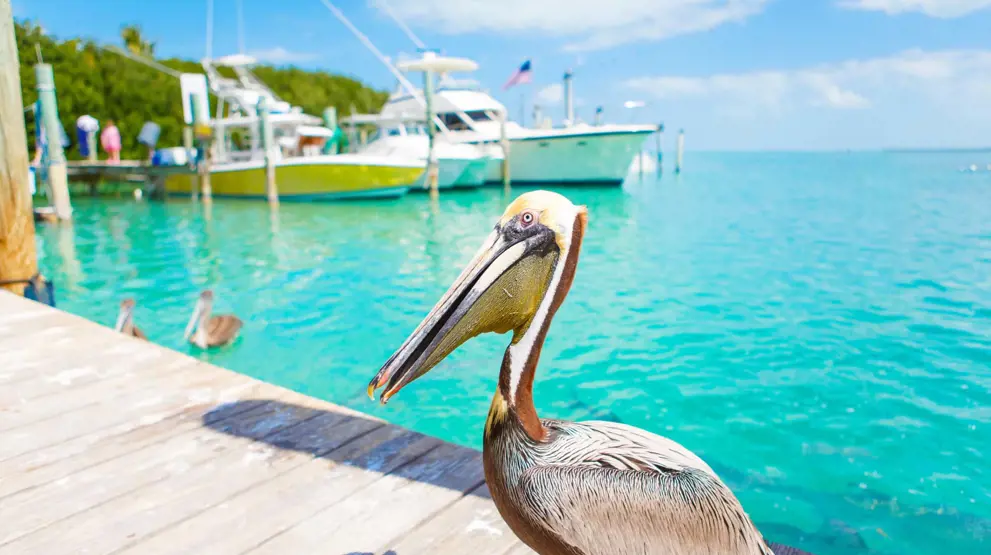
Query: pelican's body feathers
[{"x": 602, "y": 488}]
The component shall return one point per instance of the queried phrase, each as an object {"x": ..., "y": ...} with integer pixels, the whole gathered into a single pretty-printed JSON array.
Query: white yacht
[
  {"x": 459, "y": 164},
  {"x": 576, "y": 153}
]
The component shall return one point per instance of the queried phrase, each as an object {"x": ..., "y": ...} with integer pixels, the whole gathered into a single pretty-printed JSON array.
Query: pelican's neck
[
  {"x": 205, "y": 314},
  {"x": 519, "y": 364}
]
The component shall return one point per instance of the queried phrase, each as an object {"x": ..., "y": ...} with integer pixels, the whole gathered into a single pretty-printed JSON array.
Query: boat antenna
[
  {"x": 409, "y": 32},
  {"x": 209, "y": 29},
  {"x": 368, "y": 44},
  {"x": 140, "y": 59},
  {"x": 403, "y": 81},
  {"x": 240, "y": 28}
]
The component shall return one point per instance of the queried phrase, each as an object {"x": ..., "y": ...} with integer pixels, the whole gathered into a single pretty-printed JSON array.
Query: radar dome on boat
[{"x": 432, "y": 62}]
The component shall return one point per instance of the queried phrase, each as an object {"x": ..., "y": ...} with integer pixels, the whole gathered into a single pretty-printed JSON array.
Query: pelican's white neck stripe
[{"x": 519, "y": 352}]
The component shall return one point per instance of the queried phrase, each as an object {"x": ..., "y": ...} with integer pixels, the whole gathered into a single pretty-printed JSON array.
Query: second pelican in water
[
  {"x": 210, "y": 331},
  {"x": 566, "y": 488},
  {"x": 125, "y": 320}
]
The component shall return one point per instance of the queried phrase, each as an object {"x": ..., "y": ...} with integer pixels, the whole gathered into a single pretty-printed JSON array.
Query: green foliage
[{"x": 105, "y": 85}]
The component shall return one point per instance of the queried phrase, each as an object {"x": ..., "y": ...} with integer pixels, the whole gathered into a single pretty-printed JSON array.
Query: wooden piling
[
  {"x": 187, "y": 143},
  {"x": 657, "y": 144},
  {"x": 58, "y": 181},
  {"x": 681, "y": 151},
  {"x": 271, "y": 188},
  {"x": 18, "y": 258},
  {"x": 201, "y": 133},
  {"x": 432, "y": 169}
]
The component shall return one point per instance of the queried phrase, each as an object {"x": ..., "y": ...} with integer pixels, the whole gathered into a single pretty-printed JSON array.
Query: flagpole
[{"x": 523, "y": 107}]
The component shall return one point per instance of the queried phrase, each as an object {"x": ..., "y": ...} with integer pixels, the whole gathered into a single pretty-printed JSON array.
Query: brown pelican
[
  {"x": 565, "y": 488},
  {"x": 210, "y": 331},
  {"x": 125, "y": 320}
]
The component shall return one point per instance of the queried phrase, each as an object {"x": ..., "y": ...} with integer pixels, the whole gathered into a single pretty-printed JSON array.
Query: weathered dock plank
[
  {"x": 109, "y": 444},
  {"x": 258, "y": 514},
  {"x": 470, "y": 525}
]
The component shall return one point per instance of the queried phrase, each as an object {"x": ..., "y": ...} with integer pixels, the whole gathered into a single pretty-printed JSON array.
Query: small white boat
[{"x": 459, "y": 164}]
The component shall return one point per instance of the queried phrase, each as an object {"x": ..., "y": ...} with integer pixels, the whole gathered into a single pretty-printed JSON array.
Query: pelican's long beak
[
  {"x": 498, "y": 291},
  {"x": 197, "y": 310}
]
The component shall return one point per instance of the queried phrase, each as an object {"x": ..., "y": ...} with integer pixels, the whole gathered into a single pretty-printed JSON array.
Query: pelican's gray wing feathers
[{"x": 607, "y": 488}]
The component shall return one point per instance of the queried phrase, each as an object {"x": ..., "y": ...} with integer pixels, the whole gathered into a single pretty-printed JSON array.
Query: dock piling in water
[
  {"x": 200, "y": 122},
  {"x": 432, "y": 169},
  {"x": 271, "y": 188},
  {"x": 681, "y": 151},
  {"x": 657, "y": 144},
  {"x": 58, "y": 181},
  {"x": 18, "y": 257}
]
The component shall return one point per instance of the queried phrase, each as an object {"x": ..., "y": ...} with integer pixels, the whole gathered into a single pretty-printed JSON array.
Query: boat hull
[
  {"x": 302, "y": 180},
  {"x": 448, "y": 172},
  {"x": 474, "y": 174},
  {"x": 578, "y": 159}
]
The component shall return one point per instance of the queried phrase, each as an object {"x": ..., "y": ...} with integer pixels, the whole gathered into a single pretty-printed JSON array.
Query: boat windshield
[{"x": 450, "y": 83}]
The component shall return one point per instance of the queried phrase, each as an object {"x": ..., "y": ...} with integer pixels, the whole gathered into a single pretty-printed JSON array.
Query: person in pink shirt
[{"x": 110, "y": 141}]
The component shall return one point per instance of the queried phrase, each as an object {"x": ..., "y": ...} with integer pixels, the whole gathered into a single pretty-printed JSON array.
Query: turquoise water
[{"x": 816, "y": 326}]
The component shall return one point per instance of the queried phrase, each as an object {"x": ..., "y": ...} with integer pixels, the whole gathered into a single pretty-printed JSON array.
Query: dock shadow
[{"x": 353, "y": 440}]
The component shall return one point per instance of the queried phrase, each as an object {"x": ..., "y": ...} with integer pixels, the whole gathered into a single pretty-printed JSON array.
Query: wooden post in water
[
  {"x": 681, "y": 151},
  {"x": 271, "y": 189},
  {"x": 201, "y": 133},
  {"x": 191, "y": 156},
  {"x": 432, "y": 169},
  {"x": 18, "y": 258},
  {"x": 657, "y": 144},
  {"x": 504, "y": 142},
  {"x": 58, "y": 181}
]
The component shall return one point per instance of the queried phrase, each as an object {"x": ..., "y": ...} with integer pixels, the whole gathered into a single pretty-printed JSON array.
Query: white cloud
[
  {"x": 551, "y": 94},
  {"x": 586, "y": 24},
  {"x": 855, "y": 84},
  {"x": 933, "y": 8},
  {"x": 280, "y": 55}
]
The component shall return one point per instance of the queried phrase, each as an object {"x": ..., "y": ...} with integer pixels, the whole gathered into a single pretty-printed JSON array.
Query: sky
[{"x": 734, "y": 74}]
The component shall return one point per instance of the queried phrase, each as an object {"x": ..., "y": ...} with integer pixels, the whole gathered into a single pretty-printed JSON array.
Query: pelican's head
[
  {"x": 519, "y": 277},
  {"x": 125, "y": 315}
]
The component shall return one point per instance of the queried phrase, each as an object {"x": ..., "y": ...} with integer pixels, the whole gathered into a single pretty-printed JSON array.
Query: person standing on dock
[{"x": 110, "y": 141}]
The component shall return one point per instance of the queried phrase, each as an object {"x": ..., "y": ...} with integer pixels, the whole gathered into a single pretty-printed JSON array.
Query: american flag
[{"x": 521, "y": 75}]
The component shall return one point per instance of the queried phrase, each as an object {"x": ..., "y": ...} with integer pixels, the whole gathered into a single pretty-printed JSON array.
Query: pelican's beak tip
[{"x": 371, "y": 390}]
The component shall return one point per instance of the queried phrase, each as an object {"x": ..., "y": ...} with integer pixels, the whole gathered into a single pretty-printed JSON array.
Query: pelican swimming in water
[
  {"x": 125, "y": 320},
  {"x": 566, "y": 488},
  {"x": 210, "y": 331}
]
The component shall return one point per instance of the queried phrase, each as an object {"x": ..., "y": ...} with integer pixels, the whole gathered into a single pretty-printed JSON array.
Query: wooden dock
[
  {"x": 109, "y": 444},
  {"x": 125, "y": 170}
]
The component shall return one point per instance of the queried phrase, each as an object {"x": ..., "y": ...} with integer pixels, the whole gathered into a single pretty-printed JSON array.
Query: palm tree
[{"x": 135, "y": 43}]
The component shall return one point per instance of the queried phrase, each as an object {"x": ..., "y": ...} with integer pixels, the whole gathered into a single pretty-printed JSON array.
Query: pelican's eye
[{"x": 527, "y": 218}]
